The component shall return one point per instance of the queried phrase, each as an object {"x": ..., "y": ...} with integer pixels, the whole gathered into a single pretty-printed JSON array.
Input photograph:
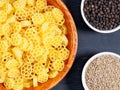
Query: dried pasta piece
[
  {"x": 53, "y": 74},
  {"x": 35, "y": 82},
  {"x": 8, "y": 8},
  {"x": 37, "y": 51},
  {"x": 37, "y": 68},
  {"x": 48, "y": 8},
  {"x": 30, "y": 45},
  {"x": 9, "y": 83},
  {"x": 65, "y": 40},
  {"x": 38, "y": 18},
  {"x": 3, "y": 16},
  {"x": 26, "y": 71},
  {"x": 16, "y": 27},
  {"x": 42, "y": 77},
  {"x": 53, "y": 55},
  {"x": 18, "y": 87},
  {"x": 27, "y": 83},
  {"x": 16, "y": 39},
  {"x": 2, "y": 75},
  {"x": 6, "y": 56},
  {"x": 63, "y": 54},
  {"x": 11, "y": 63},
  {"x": 25, "y": 23},
  {"x": 18, "y": 4},
  {"x": 13, "y": 72},
  {"x": 30, "y": 33},
  {"x": 63, "y": 28},
  {"x": 11, "y": 19},
  {"x": 17, "y": 52},
  {"x": 31, "y": 11},
  {"x": 49, "y": 17},
  {"x": 58, "y": 65},
  {"x": 24, "y": 44},
  {"x": 6, "y": 29},
  {"x": 4, "y": 45},
  {"x": 21, "y": 14},
  {"x": 30, "y": 58},
  {"x": 31, "y": 2},
  {"x": 41, "y": 4},
  {"x": 2, "y": 3},
  {"x": 44, "y": 27},
  {"x": 18, "y": 79},
  {"x": 58, "y": 14}
]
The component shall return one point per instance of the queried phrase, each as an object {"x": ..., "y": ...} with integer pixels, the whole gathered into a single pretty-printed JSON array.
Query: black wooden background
[{"x": 90, "y": 43}]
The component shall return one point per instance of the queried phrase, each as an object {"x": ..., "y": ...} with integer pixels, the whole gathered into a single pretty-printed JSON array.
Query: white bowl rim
[
  {"x": 93, "y": 28},
  {"x": 88, "y": 63}
]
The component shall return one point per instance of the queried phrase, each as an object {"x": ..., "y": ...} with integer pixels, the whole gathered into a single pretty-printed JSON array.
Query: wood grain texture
[{"x": 73, "y": 42}]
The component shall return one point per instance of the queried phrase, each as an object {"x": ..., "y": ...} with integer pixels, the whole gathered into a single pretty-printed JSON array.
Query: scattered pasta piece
[{"x": 33, "y": 43}]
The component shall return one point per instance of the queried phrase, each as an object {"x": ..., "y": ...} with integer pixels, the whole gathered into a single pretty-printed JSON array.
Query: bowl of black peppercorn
[{"x": 102, "y": 16}]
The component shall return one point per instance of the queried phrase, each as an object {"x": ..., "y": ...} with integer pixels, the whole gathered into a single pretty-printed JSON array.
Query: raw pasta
[{"x": 33, "y": 43}]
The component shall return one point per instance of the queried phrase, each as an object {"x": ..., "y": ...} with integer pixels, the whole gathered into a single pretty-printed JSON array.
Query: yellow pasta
[
  {"x": 17, "y": 52},
  {"x": 63, "y": 29},
  {"x": 38, "y": 18},
  {"x": 16, "y": 27},
  {"x": 58, "y": 14},
  {"x": 2, "y": 3},
  {"x": 9, "y": 8},
  {"x": 25, "y": 23},
  {"x": 9, "y": 83},
  {"x": 31, "y": 2},
  {"x": 6, "y": 57},
  {"x": 49, "y": 17},
  {"x": 41, "y": 4},
  {"x": 42, "y": 77},
  {"x": 13, "y": 72},
  {"x": 58, "y": 65},
  {"x": 53, "y": 74},
  {"x": 21, "y": 14},
  {"x": 6, "y": 29},
  {"x": 26, "y": 70},
  {"x": 11, "y": 64},
  {"x": 4, "y": 45},
  {"x": 63, "y": 54},
  {"x": 33, "y": 43},
  {"x": 48, "y": 8},
  {"x": 16, "y": 39},
  {"x": 24, "y": 44},
  {"x": 35, "y": 82},
  {"x": 18, "y": 4},
  {"x": 3, "y": 16},
  {"x": 31, "y": 11}
]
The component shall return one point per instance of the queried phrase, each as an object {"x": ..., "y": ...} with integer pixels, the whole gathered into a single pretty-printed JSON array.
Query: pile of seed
[
  {"x": 103, "y": 73},
  {"x": 102, "y": 14}
]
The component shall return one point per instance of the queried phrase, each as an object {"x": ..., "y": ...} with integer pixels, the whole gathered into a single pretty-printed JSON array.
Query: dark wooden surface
[{"x": 90, "y": 43}]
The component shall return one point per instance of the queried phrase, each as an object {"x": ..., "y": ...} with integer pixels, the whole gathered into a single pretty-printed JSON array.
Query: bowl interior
[{"x": 72, "y": 46}]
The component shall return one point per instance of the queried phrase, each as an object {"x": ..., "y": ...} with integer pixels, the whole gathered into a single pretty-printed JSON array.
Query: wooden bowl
[{"x": 72, "y": 37}]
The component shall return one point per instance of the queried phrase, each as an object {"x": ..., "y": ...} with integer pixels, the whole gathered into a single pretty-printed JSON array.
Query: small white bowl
[
  {"x": 89, "y": 62},
  {"x": 95, "y": 29}
]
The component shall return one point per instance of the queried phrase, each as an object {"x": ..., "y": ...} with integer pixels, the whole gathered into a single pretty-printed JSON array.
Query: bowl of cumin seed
[
  {"x": 102, "y": 72},
  {"x": 102, "y": 16}
]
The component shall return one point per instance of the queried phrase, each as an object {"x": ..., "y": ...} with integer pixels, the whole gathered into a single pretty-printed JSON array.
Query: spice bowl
[
  {"x": 97, "y": 13},
  {"x": 92, "y": 84}
]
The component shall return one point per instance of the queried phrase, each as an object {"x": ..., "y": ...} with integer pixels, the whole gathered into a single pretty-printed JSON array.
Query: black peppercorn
[{"x": 102, "y": 14}]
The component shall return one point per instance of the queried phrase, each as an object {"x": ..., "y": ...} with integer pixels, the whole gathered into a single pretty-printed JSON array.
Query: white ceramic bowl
[
  {"x": 89, "y": 62},
  {"x": 95, "y": 29}
]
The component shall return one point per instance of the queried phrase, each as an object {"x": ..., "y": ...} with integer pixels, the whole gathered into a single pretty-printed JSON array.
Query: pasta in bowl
[{"x": 38, "y": 43}]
